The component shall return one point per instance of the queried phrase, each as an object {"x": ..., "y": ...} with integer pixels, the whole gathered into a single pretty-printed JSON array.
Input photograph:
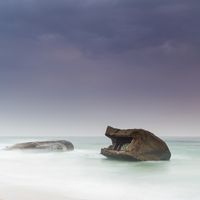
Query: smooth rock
[{"x": 58, "y": 145}]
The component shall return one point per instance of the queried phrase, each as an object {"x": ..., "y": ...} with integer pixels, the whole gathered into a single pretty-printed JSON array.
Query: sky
[{"x": 72, "y": 67}]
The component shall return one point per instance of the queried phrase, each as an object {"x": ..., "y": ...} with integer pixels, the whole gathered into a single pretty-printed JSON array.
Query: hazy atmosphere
[{"x": 72, "y": 67}]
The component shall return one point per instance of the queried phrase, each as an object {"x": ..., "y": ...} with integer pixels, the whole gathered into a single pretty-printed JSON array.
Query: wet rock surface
[
  {"x": 58, "y": 145},
  {"x": 135, "y": 145}
]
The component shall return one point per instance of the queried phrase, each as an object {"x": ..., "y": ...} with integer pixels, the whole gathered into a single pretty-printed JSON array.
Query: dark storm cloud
[
  {"x": 132, "y": 40},
  {"x": 104, "y": 26}
]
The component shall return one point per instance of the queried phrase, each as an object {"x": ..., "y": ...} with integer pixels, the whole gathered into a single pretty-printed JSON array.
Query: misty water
[{"x": 84, "y": 174}]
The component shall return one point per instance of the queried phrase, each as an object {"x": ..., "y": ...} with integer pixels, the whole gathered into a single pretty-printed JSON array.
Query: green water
[{"x": 86, "y": 174}]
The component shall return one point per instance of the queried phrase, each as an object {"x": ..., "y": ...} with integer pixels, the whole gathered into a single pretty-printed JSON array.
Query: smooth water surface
[{"x": 87, "y": 175}]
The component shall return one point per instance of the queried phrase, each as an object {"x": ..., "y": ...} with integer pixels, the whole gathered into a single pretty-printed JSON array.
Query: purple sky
[{"x": 72, "y": 67}]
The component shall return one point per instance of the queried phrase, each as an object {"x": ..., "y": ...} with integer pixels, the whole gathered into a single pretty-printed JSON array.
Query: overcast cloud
[{"x": 81, "y": 58}]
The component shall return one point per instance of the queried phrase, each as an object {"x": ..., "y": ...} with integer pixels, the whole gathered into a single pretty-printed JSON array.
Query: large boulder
[
  {"x": 58, "y": 145},
  {"x": 136, "y": 145}
]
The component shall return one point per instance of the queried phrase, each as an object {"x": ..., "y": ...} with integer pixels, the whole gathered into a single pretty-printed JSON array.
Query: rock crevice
[{"x": 136, "y": 145}]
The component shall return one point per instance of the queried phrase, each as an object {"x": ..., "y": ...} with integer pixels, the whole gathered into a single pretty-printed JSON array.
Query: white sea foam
[{"x": 84, "y": 174}]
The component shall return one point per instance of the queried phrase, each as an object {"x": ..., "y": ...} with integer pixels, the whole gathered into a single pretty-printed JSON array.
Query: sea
[{"x": 85, "y": 174}]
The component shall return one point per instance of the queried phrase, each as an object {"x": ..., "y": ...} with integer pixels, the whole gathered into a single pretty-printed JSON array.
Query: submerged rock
[
  {"x": 136, "y": 145},
  {"x": 58, "y": 145}
]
